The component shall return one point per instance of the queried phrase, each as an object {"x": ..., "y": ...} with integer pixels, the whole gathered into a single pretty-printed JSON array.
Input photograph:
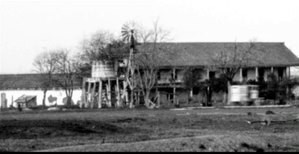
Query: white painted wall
[{"x": 12, "y": 95}]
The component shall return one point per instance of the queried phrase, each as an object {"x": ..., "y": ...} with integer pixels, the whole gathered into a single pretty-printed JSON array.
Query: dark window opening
[
  {"x": 261, "y": 73},
  {"x": 158, "y": 75},
  {"x": 212, "y": 74},
  {"x": 280, "y": 73},
  {"x": 244, "y": 73}
]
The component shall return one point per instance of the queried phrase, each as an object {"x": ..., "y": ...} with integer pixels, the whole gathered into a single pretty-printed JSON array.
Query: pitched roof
[
  {"x": 28, "y": 81},
  {"x": 201, "y": 54},
  {"x": 25, "y": 99}
]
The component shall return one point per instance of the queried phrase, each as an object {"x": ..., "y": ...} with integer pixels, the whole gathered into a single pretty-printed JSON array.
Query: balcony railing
[{"x": 167, "y": 81}]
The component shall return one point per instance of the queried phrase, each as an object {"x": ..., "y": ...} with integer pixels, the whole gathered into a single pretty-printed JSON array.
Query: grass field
[{"x": 148, "y": 130}]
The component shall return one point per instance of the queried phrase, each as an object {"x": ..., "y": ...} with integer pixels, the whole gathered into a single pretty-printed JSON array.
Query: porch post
[
  {"x": 173, "y": 73},
  {"x": 118, "y": 92},
  {"x": 241, "y": 75},
  {"x": 109, "y": 92},
  {"x": 272, "y": 70},
  {"x": 93, "y": 95},
  {"x": 256, "y": 73},
  {"x": 191, "y": 92},
  {"x": 174, "y": 98},
  {"x": 174, "y": 89},
  {"x": 208, "y": 73},
  {"x": 88, "y": 95}
]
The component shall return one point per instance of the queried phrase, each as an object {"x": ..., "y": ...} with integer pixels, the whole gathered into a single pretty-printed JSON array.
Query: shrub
[{"x": 269, "y": 112}]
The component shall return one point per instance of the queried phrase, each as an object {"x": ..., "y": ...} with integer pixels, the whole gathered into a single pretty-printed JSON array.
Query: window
[
  {"x": 280, "y": 72},
  {"x": 158, "y": 75},
  {"x": 212, "y": 74},
  {"x": 261, "y": 73}
]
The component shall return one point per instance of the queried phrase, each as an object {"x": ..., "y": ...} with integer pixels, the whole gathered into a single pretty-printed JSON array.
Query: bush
[{"x": 269, "y": 112}]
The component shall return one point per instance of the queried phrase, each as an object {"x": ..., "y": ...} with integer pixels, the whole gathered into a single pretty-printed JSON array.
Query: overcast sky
[{"x": 28, "y": 27}]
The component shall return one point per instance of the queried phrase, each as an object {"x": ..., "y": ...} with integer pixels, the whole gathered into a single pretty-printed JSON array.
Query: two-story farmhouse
[{"x": 268, "y": 58}]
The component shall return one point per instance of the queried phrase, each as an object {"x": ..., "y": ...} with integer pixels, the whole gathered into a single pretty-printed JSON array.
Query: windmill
[{"x": 129, "y": 35}]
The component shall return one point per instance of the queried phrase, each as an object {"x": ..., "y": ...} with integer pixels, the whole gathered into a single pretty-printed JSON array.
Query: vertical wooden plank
[
  {"x": 100, "y": 95},
  {"x": 88, "y": 95},
  {"x": 272, "y": 70},
  {"x": 93, "y": 95},
  {"x": 109, "y": 92},
  {"x": 118, "y": 92}
]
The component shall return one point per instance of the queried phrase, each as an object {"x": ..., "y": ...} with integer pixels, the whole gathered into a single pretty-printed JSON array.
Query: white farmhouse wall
[{"x": 12, "y": 95}]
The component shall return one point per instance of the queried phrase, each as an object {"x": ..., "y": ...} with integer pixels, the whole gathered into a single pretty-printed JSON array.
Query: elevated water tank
[{"x": 103, "y": 69}]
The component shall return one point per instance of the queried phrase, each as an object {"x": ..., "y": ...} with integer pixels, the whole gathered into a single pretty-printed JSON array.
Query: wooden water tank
[{"x": 103, "y": 69}]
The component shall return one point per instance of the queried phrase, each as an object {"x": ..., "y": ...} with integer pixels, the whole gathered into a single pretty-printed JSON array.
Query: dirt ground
[{"x": 150, "y": 130}]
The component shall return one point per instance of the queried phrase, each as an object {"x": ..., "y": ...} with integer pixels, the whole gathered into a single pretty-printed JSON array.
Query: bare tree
[
  {"x": 44, "y": 64},
  {"x": 147, "y": 69},
  {"x": 143, "y": 66},
  {"x": 230, "y": 60},
  {"x": 67, "y": 69}
]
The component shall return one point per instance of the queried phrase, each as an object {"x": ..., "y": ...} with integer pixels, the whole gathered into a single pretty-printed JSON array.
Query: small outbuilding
[{"x": 26, "y": 101}]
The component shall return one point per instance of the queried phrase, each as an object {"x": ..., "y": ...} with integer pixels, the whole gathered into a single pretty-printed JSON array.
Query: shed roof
[{"x": 24, "y": 99}]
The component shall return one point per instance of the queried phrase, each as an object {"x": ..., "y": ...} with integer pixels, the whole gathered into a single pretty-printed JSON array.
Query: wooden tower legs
[
  {"x": 100, "y": 95},
  {"x": 91, "y": 93}
]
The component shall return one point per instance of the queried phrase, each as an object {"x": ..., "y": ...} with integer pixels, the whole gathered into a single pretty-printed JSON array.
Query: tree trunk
[
  {"x": 146, "y": 99},
  {"x": 138, "y": 98},
  {"x": 224, "y": 100},
  {"x": 68, "y": 101},
  {"x": 209, "y": 96},
  {"x": 228, "y": 93},
  {"x": 131, "y": 99}
]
